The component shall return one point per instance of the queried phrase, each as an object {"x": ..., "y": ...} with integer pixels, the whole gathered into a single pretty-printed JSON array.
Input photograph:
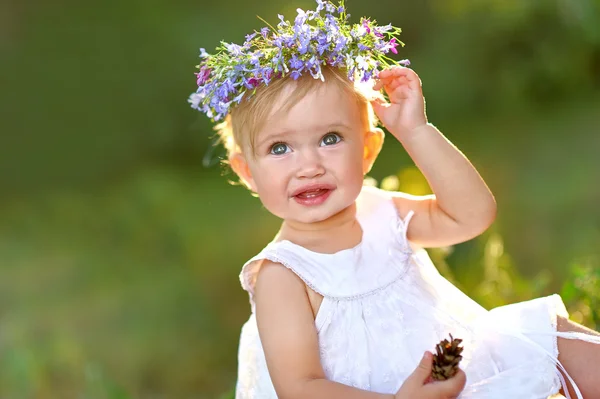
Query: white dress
[{"x": 384, "y": 304}]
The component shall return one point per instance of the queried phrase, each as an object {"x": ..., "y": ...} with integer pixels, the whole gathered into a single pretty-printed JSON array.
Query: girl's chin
[{"x": 314, "y": 216}]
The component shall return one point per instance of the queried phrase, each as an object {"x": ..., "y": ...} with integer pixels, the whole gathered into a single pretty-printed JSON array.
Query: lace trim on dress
[{"x": 277, "y": 259}]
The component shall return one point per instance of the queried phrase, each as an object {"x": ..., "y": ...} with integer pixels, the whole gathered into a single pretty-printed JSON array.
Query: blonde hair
[{"x": 240, "y": 127}]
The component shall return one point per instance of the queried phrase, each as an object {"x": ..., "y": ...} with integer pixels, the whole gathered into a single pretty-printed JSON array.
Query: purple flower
[
  {"x": 300, "y": 18},
  {"x": 296, "y": 63},
  {"x": 278, "y": 42},
  {"x": 238, "y": 99},
  {"x": 289, "y": 41},
  {"x": 366, "y": 76},
  {"x": 277, "y": 61},
  {"x": 336, "y": 61},
  {"x": 195, "y": 99},
  {"x": 314, "y": 67},
  {"x": 283, "y": 23},
  {"x": 222, "y": 91},
  {"x": 267, "y": 75},
  {"x": 255, "y": 58},
  {"x": 303, "y": 45},
  {"x": 331, "y": 22},
  {"x": 321, "y": 48},
  {"x": 321, "y": 38},
  {"x": 320, "y": 5},
  {"x": 340, "y": 44},
  {"x": 264, "y": 32},
  {"x": 253, "y": 82},
  {"x": 312, "y": 62},
  {"x": 358, "y": 32},
  {"x": 331, "y": 61},
  {"x": 393, "y": 45},
  {"x": 295, "y": 75},
  {"x": 202, "y": 76},
  {"x": 385, "y": 28},
  {"x": 203, "y": 53},
  {"x": 250, "y": 36},
  {"x": 366, "y": 25},
  {"x": 351, "y": 74},
  {"x": 234, "y": 49},
  {"x": 229, "y": 86},
  {"x": 362, "y": 63}
]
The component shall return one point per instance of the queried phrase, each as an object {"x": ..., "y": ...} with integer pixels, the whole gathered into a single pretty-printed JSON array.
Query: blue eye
[
  {"x": 330, "y": 139},
  {"x": 279, "y": 149}
]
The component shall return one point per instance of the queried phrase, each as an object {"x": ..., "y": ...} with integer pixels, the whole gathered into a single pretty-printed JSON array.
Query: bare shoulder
[
  {"x": 268, "y": 267},
  {"x": 274, "y": 278},
  {"x": 286, "y": 328}
]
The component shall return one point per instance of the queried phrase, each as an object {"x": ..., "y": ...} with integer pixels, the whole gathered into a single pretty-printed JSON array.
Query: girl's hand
[
  {"x": 418, "y": 384},
  {"x": 406, "y": 110}
]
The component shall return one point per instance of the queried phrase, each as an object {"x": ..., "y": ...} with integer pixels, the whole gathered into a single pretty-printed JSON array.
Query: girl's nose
[{"x": 310, "y": 164}]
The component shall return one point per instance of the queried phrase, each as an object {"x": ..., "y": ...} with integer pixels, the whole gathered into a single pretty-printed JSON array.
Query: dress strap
[
  {"x": 405, "y": 223},
  {"x": 287, "y": 254}
]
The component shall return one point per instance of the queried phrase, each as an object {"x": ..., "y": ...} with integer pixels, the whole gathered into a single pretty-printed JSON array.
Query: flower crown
[{"x": 313, "y": 41}]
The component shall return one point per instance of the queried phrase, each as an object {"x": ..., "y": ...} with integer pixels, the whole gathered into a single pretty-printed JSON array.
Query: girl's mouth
[{"x": 313, "y": 197}]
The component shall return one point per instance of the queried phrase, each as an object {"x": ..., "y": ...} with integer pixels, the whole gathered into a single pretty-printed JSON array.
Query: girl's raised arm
[{"x": 463, "y": 206}]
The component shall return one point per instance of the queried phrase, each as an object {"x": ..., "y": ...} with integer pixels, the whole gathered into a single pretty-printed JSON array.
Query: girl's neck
[{"x": 340, "y": 231}]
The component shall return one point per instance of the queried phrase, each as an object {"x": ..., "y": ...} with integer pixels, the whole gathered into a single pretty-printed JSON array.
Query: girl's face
[{"x": 309, "y": 163}]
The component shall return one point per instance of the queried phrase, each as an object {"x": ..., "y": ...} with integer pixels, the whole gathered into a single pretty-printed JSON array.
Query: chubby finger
[
  {"x": 398, "y": 91},
  {"x": 403, "y": 71},
  {"x": 392, "y": 70},
  {"x": 383, "y": 80},
  {"x": 389, "y": 73},
  {"x": 459, "y": 380},
  {"x": 422, "y": 372},
  {"x": 391, "y": 83},
  {"x": 395, "y": 83},
  {"x": 451, "y": 387},
  {"x": 380, "y": 107},
  {"x": 407, "y": 73},
  {"x": 385, "y": 73},
  {"x": 392, "y": 74}
]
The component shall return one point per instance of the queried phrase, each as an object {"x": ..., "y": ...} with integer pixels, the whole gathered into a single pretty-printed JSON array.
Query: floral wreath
[{"x": 313, "y": 41}]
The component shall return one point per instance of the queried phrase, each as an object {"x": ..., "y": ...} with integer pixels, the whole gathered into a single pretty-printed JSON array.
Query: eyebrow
[
  {"x": 280, "y": 135},
  {"x": 275, "y": 136}
]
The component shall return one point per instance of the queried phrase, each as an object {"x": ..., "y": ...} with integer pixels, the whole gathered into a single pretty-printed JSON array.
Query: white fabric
[{"x": 384, "y": 304}]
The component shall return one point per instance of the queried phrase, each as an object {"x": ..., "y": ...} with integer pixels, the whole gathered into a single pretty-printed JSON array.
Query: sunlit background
[{"x": 121, "y": 239}]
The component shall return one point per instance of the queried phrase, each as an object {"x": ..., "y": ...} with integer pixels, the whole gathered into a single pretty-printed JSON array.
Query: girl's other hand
[
  {"x": 419, "y": 385},
  {"x": 406, "y": 109}
]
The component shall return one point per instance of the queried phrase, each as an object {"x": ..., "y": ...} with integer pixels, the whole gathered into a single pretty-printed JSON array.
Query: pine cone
[{"x": 446, "y": 359}]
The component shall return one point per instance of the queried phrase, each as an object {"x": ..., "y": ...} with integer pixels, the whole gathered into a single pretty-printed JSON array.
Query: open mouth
[
  {"x": 312, "y": 193},
  {"x": 313, "y": 196}
]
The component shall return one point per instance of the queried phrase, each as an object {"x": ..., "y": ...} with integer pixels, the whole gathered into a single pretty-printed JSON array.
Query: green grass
[{"x": 132, "y": 291}]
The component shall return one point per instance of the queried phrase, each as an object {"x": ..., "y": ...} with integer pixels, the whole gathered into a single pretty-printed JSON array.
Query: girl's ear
[
  {"x": 238, "y": 163},
  {"x": 373, "y": 144}
]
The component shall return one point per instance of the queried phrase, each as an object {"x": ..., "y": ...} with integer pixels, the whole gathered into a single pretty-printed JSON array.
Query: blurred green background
[{"x": 120, "y": 248}]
